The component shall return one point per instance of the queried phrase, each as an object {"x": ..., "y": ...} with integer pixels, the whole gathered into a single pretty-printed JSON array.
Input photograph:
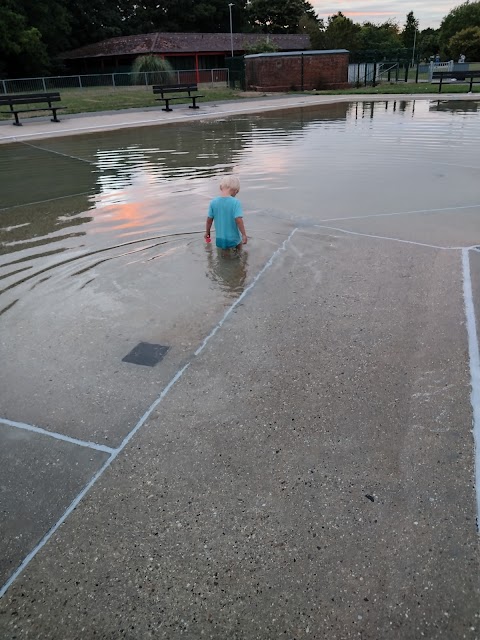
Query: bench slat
[
  {"x": 14, "y": 101},
  {"x": 31, "y": 95},
  {"x": 175, "y": 98},
  {"x": 47, "y": 108},
  {"x": 174, "y": 87},
  {"x": 456, "y": 74}
]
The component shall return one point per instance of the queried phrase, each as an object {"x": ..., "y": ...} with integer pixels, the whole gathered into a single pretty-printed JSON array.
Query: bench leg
[
  {"x": 17, "y": 122},
  {"x": 440, "y": 86},
  {"x": 167, "y": 108},
  {"x": 194, "y": 101},
  {"x": 55, "y": 119}
]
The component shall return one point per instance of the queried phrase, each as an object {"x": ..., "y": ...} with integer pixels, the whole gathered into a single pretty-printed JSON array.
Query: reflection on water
[
  {"x": 227, "y": 269},
  {"x": 147, "y": 190},
  {"x": 455, "y": 106}
]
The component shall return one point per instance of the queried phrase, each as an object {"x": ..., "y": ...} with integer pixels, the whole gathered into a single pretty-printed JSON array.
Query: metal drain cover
[{"x": 146, "y": 354}]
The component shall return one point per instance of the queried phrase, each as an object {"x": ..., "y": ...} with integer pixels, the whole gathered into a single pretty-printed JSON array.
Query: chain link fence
[{"x": 209, "y": 77}]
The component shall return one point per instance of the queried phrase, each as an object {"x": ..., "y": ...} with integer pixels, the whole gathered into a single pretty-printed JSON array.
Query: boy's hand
[
  {"x": 206, "y": 236},
  {"x": 244, "y": 239}
]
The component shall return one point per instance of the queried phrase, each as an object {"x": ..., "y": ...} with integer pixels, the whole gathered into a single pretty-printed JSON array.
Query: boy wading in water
[{"x": 227, "y": 213}]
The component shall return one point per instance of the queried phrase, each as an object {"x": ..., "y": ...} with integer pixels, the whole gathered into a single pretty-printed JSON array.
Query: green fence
[{"x": 236, "y": 72}]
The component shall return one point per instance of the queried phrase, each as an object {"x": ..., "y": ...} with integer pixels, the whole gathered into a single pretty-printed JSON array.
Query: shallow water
[
  {"x": 102, "y": 235},
  {"x": 72, "y": 204}
]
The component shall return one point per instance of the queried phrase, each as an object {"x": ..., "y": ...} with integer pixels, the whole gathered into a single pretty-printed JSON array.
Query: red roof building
[{"x": 183, "y": 50}]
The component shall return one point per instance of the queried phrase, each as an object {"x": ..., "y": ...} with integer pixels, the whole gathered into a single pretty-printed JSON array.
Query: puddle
[{"x": 102, "y": 247}]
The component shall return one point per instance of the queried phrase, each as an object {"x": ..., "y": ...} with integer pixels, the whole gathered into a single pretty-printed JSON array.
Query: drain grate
[{"x": 146, "y": 354}]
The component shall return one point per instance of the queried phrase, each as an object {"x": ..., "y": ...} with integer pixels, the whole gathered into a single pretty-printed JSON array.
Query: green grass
[
  {"x": 404, "y": 88},
  {"x": 108, "y": 99},
  {"x": 112, "y": 99}
]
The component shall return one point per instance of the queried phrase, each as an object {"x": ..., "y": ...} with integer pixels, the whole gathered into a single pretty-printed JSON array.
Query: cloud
[{"x": 429, "y": 13}]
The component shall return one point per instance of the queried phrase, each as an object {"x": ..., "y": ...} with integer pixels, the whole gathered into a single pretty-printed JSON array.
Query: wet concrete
[
  {"x": 39, "y": 478},
  {"x": 76, "y": 381},
  {"x": 79, "y": 124},
  {"x": 450, "y": 228},
  {"x": 309, "y": 476},
  {"x": 66, "y": 355}
]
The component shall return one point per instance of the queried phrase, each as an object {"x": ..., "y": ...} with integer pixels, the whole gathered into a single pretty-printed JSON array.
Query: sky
[{"x": 429, "y": 13}]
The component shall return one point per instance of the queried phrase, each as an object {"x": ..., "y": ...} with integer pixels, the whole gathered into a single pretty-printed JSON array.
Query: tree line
[
  {"x": 33, "y": 33},
  {"x": 459, "y": 33}
]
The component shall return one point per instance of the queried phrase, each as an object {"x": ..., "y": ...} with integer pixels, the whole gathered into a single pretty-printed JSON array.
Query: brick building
[{"x": 297, "y": 70}]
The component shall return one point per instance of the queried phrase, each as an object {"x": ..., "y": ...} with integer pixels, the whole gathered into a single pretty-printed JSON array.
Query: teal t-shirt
[{"x": 224, "y": 210}]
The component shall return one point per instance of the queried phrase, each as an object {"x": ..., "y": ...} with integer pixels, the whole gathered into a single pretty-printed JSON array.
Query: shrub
[
  {"x": 264, "y": 46},
  {"x": 158, "y": 70}
]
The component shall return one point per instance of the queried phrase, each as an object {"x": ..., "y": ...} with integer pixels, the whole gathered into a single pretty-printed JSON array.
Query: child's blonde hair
[{"x": 230, "y": 182}]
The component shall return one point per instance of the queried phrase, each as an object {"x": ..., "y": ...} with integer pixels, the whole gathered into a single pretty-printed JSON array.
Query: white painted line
[
  {"x": 127, "y": 439},
  {"x": 474, "y": 369},
  {"x": 57, "y": 436},
  {"x": 58, "y": 153},
  {"x": 240, "y": 298},
  {"x": 150, "y": 410},
  {"x": 50, "y": 533},
  {"x": 368, "y": 235},
  {"x": 29, "y": 204},
  {"x": 84, "y": 491},
  {"x": 403, "y": 213}
]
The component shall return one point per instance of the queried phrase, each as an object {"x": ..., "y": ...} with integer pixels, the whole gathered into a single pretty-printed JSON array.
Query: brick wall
[{"x": 284, "y": 73}]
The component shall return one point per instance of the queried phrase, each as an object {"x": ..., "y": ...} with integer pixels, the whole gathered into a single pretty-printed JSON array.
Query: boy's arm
[
  {"x": 208, "y": 227},
  {"x": 241, "y": 228}
]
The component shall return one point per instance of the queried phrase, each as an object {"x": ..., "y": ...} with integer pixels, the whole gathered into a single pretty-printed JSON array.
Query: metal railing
[
  {"x": 372, "y": 73},
  {"x": 362, "y": 73},
  {"x": 441, "y": 66},
  {"x": 212, "y": 77}
]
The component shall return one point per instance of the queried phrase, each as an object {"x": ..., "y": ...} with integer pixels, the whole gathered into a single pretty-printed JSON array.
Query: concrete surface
[
  {"x": 76, "y": 124},
  {"x": 309, "y": 475},
  {"x": 39, "y": 479}
]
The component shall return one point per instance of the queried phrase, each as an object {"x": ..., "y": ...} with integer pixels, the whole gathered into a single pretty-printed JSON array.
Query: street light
[
  {"x": 230, "y": 5},
  {"x": 414, "y": 43}
]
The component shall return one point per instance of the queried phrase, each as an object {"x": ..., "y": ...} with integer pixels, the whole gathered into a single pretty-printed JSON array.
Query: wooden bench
[
  {"x": 166, "y": 90},
  {"x": 458, "y": 76},
  {"x": 21, "y": 103}
]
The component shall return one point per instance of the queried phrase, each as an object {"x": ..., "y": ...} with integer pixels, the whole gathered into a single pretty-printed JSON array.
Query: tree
[
  {"x": 427, "y": 43},
  {"x": 52, "y": 20},
  {"x": 409, "y": 34},
  {"x": 314, "y": 29},
  {"x": 342, "y": 33},
  {"x": 466, "y": 41},
  {"x": 383, "y": 38},
  {"x": 22, "y": 51},
  {"x": 265, "y": 46},
  {"x": 462, "y": 17},
  {"x": 207, "y": 16},
  {"x": 95, "y": 20},
  {"x": 279, "y": 16}
]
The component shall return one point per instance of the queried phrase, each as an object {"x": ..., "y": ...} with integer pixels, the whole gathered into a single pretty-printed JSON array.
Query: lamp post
[
  {"x": 230, "y": 5},
  {"x": 414, "y": 43}
]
